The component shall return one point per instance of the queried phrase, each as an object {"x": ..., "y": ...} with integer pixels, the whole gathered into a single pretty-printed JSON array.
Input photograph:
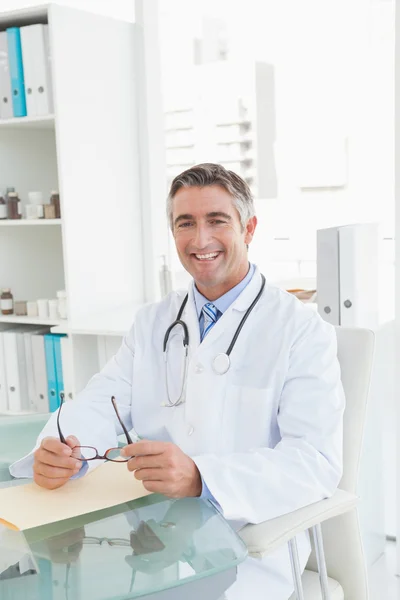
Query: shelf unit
[
  {"x": 89, "y": 150},
  {"x": 17, "y": 320},
  {"x": 42, "y": 122},
  {"x": 29, "y": 222}
]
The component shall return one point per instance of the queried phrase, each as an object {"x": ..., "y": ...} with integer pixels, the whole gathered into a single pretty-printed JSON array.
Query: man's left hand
[{"x": 164, "y": 468}]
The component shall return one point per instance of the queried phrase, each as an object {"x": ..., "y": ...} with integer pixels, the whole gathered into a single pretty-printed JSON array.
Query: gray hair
[{"x": 213, "y": 174}]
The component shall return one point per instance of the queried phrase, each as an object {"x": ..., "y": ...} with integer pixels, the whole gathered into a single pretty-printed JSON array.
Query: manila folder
[{"x": 26, "y": 506}]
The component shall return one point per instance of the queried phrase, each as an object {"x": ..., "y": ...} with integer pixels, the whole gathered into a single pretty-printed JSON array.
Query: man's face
[{"x": 209, "y": 238}]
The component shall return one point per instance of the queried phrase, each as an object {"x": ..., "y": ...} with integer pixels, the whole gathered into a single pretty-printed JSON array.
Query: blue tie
[{"x": 210, "y": 314}]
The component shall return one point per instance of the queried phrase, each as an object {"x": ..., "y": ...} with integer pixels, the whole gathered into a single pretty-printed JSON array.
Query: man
[{"x": 259, "y": 433}]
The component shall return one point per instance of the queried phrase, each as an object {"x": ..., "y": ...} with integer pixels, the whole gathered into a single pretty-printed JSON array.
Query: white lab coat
[{"x": 266, "y": 436}]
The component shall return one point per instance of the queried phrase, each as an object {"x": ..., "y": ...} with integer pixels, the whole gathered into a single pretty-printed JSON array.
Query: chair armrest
[{"x": 264, "y": 538}]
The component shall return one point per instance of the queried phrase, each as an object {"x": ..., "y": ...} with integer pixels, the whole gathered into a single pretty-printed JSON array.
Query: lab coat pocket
[{"x": 250, "y": 414}]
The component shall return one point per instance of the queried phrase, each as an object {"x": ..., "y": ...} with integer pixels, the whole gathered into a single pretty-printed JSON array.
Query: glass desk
[{"x": 153, "y": 547}]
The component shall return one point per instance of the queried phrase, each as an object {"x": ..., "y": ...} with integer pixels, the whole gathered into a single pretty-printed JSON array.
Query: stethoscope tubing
[{"x": 226, "y": 356}]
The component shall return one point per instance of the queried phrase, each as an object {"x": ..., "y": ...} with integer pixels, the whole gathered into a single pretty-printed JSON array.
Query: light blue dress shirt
[{"x": 222, "y": 304}]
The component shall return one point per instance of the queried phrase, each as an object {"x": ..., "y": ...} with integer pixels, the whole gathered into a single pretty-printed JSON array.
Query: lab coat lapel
[
  {"x": 192, "y": 321},
  {"x": 229, "y": 321}
]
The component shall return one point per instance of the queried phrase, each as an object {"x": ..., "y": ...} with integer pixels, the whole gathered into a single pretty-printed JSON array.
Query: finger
[
  {"x": 149, "y": 474},
  {"x": 55, "y": 446},
  {"x": 72, "y": 441},
  {"x": 153, "y": 461},
  {"x": 144, "y": 447},
  {"x": 54, "y": 472},
  {"x": 54, "y": 460},
  {"x": 74, "y": 444},
  {"x": 49, "y": 484}
]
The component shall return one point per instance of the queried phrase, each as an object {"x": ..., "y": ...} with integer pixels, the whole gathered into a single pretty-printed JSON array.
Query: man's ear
[{"x": 250, "y": 229}]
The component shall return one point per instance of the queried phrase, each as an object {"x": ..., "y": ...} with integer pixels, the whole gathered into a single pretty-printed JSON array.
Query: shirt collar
[{"x": 224, "y": 302}]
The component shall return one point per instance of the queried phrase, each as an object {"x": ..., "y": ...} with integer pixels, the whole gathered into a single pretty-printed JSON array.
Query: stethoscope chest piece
[{"x": 221, "y": 363}]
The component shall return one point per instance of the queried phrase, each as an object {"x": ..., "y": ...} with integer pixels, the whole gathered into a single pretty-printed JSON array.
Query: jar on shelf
[
  {"x": 55, "y": 201},
  {"x": 49, "y": 211},
  {"x": 6, "y": 302},
  {"x": 62, "y": 304},
  {"x": 34, "y": 208},
  {"x": 20, "y": 308},
  {"x": 3, "y": 206},
  {"x": 13, "y": 206},
  {"x": 53, "y": 308},
  {"x": 32, "y": 308}
]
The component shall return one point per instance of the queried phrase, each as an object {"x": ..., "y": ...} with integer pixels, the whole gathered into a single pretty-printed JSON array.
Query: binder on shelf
[
  {"x": 16, "y": 71},
  {"x": 58, "y": 366},
  {"x": 359, "y": 275},
  {"x": 328, "y": 276},
  {"x": 51, "y": 372},
  {"x": 15, "y": 361},
  {"x": 6, "y": 109},
  {"x": 3, "y": 378},
  {"x": 41, "y": 404},
  {"x": 66, "y": 360},
  {"x": 30, "y": 377},
  {"x": 30, "y": 372},
  {"x": 37, "y": 74},
  {"x": 347, "y": 275}
]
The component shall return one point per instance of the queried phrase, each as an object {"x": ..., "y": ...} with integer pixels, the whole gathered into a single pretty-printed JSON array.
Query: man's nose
[{"x": 202, "y": 237}]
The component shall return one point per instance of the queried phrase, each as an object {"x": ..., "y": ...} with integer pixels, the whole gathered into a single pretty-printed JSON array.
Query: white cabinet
[{"x": 92, "y": 151}]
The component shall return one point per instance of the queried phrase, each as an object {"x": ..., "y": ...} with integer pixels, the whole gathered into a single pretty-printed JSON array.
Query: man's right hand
[{"x": 55, "y": 463}]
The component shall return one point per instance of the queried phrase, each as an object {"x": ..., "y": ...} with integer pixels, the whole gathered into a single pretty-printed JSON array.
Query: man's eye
[
  {"x": 217, "y": 222},
  {"x": 183, "y": 225}
]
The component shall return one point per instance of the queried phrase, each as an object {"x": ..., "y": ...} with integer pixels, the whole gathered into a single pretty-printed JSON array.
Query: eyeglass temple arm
[
  {"x": 128, "y": 437},
  {"x": 62, "y": 438}
]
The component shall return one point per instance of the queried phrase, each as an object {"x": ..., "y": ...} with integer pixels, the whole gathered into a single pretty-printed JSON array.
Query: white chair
[{"x": 336, "y": 570}]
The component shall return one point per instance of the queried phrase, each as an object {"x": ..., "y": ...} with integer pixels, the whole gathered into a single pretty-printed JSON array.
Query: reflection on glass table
[{"x": 152, "y": 547}]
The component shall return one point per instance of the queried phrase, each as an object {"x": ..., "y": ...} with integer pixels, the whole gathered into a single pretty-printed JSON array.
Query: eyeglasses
[
  {"x": 90, "y": 453},
  {"x": 94, "y": 541}
]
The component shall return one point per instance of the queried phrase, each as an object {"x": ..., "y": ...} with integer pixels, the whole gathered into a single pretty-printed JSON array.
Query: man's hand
[
  {"x": 55, "y": 463},
  {"x": 164, "y": 469}
]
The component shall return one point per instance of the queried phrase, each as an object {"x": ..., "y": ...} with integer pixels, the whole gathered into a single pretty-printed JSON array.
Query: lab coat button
[
  {"x": 190, "y": 430},
  {"x": 198, "y": 368}
]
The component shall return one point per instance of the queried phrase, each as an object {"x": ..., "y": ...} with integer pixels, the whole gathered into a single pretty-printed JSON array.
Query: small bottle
[
  {"x": 32, "y": 308},
  {"x": 49, "y": 211},
  {"x": 62, "y": 304},
  {"x": 34, "y": 208},
  {"x": 6, "y": 302},
  {"x": 55, "y": 201},
  {"x": 3, "y": 206},
  {"x": 165, "y": 277},
  {"x": 13, "y": 206},
  {"x": 53, "y": 308},
  {"x": 43, "y": 308}
]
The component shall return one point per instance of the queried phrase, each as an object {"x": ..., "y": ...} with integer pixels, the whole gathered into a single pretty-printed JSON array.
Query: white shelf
[
  {"x": 11, "y": 413},
  {"x": 116, "y": 322},
  {"x": 28, "y": 222},
  {"x": 29, "y": 320},
  {"x": 43, "y": 122}
]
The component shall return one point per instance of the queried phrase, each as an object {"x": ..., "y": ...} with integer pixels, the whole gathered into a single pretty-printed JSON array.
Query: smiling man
[
  {"x": 210, "y": 239},
  {"x": 233, "y": 386}
]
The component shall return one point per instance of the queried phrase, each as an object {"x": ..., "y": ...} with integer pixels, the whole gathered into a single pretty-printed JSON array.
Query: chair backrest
[{"x": 342, "y": 539}]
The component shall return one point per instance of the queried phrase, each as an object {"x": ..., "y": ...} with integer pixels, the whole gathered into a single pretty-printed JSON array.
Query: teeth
[{"x": 206, "y": 256}]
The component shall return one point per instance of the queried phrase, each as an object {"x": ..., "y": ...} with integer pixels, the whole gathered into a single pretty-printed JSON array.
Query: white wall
[
  {"x": 119, "y": 9},
  {"x": 333, "y": 62}
]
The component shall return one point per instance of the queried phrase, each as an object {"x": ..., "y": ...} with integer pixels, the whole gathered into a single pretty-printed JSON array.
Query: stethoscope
[{"x": 221, "y": 363}]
